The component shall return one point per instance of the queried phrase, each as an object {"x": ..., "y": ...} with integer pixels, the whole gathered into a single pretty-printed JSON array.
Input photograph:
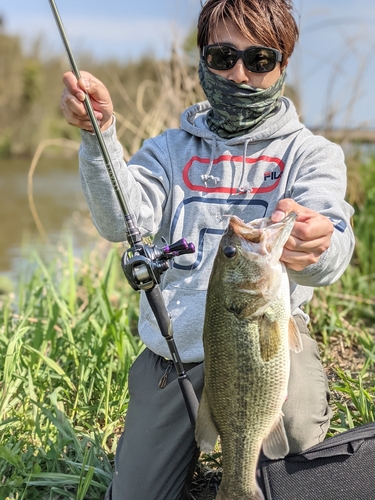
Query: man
[{"x": 243, "y": 152}]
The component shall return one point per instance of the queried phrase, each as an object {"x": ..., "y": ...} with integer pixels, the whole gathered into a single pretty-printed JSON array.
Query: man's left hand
[{"x": 310, "y": 236}]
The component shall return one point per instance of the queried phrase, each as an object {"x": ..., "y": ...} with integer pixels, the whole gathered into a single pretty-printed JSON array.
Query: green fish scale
[{"x": 244, "y": 392}]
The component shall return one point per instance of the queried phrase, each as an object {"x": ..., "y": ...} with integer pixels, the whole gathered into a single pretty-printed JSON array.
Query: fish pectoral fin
[
  {"x": 294, "y": 336},
  {"x": 269, "y": 338},
  {"x": 276, "y": 445},
  {"x": 205, "y": 431}
]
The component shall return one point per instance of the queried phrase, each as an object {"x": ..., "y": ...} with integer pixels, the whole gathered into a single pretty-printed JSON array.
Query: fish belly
[{"x": 245, "y": 394}]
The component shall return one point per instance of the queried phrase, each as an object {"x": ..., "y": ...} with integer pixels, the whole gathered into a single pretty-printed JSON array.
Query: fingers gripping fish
[{"x": 248, "y": 331}]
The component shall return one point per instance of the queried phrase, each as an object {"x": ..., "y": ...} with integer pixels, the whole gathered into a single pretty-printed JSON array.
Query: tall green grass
[
  {"x": 66, "y": 345},
  {"x": 343, "y": 318}
]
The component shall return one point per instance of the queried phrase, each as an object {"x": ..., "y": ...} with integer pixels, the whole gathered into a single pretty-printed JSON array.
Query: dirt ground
[{"x": 205, "y": 483}]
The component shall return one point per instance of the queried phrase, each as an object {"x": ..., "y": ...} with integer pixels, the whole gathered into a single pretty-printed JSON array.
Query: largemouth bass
[{"x": 248, "y": 331}]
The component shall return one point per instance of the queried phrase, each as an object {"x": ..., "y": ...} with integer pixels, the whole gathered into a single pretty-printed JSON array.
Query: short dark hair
[{"x": 269, "y": 22}]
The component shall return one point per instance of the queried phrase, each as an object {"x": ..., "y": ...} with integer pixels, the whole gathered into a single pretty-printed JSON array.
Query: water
[{"x": 60, "y": 206}]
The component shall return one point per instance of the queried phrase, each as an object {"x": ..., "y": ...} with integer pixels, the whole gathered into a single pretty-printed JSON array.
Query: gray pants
[{"x": 157, "y": 446}]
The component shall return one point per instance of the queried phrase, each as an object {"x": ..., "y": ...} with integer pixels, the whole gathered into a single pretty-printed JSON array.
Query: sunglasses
[{"x": 256, "y": 59}]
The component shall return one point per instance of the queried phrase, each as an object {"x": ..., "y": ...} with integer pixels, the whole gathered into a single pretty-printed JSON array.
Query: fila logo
[{"x": 273, "y": 176}]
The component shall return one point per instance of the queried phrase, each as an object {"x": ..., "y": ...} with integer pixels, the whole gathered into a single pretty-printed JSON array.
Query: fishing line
[{"x": 133, "y": 234}]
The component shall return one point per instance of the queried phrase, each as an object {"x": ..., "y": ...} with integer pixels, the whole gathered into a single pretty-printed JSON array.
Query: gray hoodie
[{"x": 185, "y": 183}]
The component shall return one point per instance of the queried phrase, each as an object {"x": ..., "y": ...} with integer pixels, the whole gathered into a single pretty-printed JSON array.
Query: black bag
[{"x": 340, "y": 468}]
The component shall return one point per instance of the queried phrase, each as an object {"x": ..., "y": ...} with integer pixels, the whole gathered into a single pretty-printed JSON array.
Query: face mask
[{"x": 237, "y": 108}]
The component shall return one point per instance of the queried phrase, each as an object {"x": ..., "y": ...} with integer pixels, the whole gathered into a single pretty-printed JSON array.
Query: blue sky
[{"x": 333, "y": 65}]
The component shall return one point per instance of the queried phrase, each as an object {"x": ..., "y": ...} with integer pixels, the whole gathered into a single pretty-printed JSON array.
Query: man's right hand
[{"x": 73, "y": 96}]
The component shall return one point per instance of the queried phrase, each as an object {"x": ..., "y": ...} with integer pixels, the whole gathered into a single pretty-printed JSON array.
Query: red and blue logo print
[{"x": 262, "y": 176}]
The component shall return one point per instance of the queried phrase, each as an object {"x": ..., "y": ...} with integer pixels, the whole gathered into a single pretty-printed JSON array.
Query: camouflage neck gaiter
[{"x": 237, "y": 108}]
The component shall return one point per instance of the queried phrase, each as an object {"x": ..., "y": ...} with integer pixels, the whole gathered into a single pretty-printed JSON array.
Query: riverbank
[{"x": 69, "y": 337}]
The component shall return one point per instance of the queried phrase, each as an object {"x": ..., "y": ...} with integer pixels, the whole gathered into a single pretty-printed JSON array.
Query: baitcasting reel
[{"x": 143, "y": 264}]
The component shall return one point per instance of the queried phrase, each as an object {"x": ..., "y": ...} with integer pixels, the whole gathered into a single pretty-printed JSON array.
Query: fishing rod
[{"x": 142, "y": 264}]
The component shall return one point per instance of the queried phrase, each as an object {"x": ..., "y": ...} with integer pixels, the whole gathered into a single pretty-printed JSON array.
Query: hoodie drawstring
[
  {"x": 241, "y": 189},
  {"x": 207, "y": 176}
]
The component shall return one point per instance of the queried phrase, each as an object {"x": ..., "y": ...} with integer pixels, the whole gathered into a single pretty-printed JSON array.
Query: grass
[
  {"x": 343, "y": 319},
  {"x": 66, "y": 342},
  {"x": 68, "y": 338}
]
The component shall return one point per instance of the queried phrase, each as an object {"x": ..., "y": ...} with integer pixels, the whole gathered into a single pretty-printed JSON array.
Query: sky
[{"x": 333, "y": 65}]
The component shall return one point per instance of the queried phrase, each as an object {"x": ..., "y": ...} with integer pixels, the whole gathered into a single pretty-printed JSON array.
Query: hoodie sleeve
[
  {"x": 318, "y": 181},
  {"x": 144, "y": 183}
]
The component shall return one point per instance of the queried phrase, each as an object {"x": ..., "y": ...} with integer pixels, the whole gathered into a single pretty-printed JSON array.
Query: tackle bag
[{"x": 340, "y": 468}]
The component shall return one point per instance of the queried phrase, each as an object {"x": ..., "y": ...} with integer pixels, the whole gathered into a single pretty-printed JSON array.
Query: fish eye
[{"x": 230, "y": 252}]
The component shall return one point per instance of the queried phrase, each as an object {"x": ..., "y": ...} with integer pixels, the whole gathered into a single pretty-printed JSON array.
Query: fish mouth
[
  {"x": 253, "y": 227},
  {"x": 264, "y": 233}
]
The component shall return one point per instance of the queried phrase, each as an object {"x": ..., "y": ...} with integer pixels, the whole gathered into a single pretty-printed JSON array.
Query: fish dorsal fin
[
  {"x": 205, "y": 431},
  {"x": 294, "y": 336},
  {"x": 276, "y": 445},
  {"x": 269, "y": 337}
]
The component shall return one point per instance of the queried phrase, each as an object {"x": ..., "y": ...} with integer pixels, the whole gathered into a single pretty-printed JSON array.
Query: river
[{"x": 59, "y": 203}]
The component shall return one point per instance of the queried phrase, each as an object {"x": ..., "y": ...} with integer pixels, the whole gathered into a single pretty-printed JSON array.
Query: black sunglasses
[{"x": 256, "y": 59}]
